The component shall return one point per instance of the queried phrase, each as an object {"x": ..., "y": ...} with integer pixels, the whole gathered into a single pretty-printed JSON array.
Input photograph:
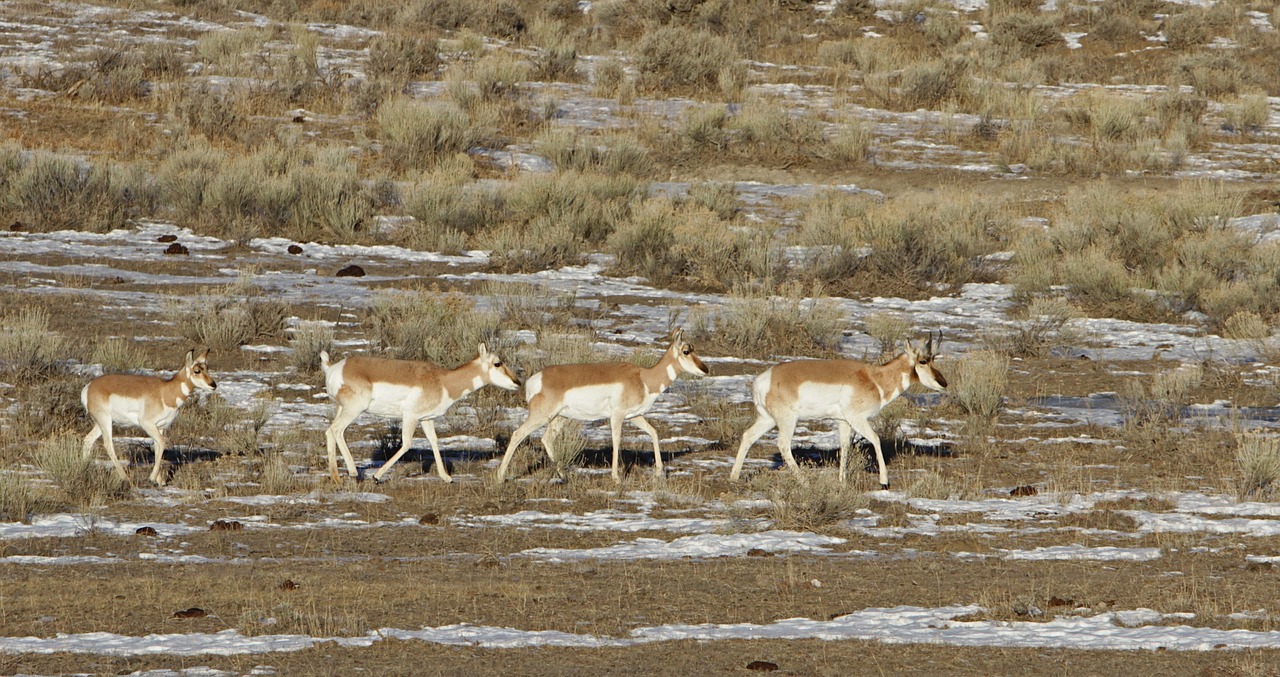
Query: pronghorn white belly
[
  {"x": 592, "y": 403},
  {"x": 820, "y": 400},
  {"x": 645, "y": 405},
  {"x": 392, "y": 400},
  {"x": 131, "y": 411}
]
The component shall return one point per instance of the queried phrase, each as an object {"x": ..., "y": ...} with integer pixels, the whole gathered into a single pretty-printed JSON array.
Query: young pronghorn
[
  {"x": 410, "y": 391},
  {"x": 617, "y": 391},
  {"x": 848, "y": 391},
  {"x": 149, "y": 402}
]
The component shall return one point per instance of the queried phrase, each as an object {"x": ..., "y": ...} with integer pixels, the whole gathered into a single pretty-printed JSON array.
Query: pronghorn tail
[{"x": 324, "y": 361}]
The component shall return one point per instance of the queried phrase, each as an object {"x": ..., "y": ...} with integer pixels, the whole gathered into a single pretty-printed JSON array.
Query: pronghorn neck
[
  {"x": 177, "y": 388},
  {"x": 893, "y": 377},
  {"x": 660, "y": 376},
  {"x": 460, "y": 382}
]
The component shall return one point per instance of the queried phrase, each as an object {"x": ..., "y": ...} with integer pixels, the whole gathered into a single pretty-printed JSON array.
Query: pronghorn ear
[
  {"x": 483, "y": 350},
  {"x": 191, "y": 357}
]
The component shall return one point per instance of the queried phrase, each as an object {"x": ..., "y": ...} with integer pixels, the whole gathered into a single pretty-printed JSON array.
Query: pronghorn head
[
  {"x": 922, "y": 363},
  {"x": 688, "y": 361},
  {"x": 495, "y": 371},
  {"x": 197, "y": 370}
]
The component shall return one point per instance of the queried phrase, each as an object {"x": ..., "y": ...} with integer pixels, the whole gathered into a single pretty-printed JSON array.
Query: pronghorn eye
[
  {"x": 497, "y": 364},
  {"x": 687, "y": 351}
]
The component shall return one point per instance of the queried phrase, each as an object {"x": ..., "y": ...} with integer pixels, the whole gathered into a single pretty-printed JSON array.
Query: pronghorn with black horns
[
  {"x": 848, "y": 391},
  {"x": 617, "y": 391},
  {"x": 414, "y": 392},
  {"x": 148, "y": 402}
]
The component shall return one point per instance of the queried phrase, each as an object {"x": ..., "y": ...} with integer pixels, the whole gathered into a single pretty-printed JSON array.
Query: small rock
[
  {"x": 288, "y": 585},
  {"x": 226, "y": 525},
  {"x": 1024, "y": 490},
  {"x": 177, "y": 249},
  {"x": 167, "y": 238},
  {"x": 351, "y": 271},
  {"x": 429, "y": 519},
  {"x": 762, "y": 666},
  {"x": 17, "y": 226},
  {"x": 299, "y": 119},
  {"x": 193, "y": 612},
  {"x": 294, "y": 249},
  {"x": 1060, "y": 601},
  {"x": 758, "y": 552},
  {"x": 1219, "y": 646},
  {"x": 145, "y": 531}
]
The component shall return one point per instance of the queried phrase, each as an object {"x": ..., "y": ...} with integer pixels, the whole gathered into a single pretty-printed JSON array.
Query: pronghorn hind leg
[
  {"x": 845, "y": 432},
  {"x": 615, "y": 428},
  {"x": 407, "y": 426},
  {"x": 335, "y": 440},
  {"x": 110, "y": 444},
  {"x": 86, "y": 450},
  {"x": 787, "y": 428},
  {"x": 863, "y": 426},
  {"x": 752, "y": 434},
  {"x": 538, "y": 417},
  {"x": 157, "y": 440},
  {"x": 644, "y": 425}
]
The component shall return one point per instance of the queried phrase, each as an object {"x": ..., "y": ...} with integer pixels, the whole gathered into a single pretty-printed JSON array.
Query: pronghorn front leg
[
  {"x": 407, "y": 426},
  {"x": 644, "y": 425},
  {"x": 615, "y": 426},
  {"x": 845, "y": 432},
  {"x": 157, "y": 439},
  {"x": 864, "y": 428},
  {"x": 429, "y": 429}
]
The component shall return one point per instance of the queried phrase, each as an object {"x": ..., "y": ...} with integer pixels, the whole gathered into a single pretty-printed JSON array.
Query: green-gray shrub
[
  {"x": 82, "y": 481},
  {"x": 29, "y": 350},
  {"x": 415, "y": 134},
  {"x": 308, "y": 340},
  {"x": 977, "y": 382},
  {"x": 678, "y": 58},
  {"x": 429, "y": 325},
  {"x": 1258, "y": 458}
]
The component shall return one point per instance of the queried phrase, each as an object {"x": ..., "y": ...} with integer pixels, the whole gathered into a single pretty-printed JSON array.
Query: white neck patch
[
  {"x": 186, "y": 390},
  {"x": 671, "y": 371}
]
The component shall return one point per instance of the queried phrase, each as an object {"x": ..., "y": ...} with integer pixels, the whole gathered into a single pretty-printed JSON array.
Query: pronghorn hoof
[
  {"x": 378, "y": 480},
  {"x": 884, "y": 487}
]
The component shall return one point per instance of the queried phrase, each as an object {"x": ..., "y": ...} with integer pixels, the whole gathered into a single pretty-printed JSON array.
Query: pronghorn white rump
[
  {"x": 148, "y": 402},
  {"x": 848, "y": 391},
  {"x": 414, "y": 392},
  {"x": 618, "y": 391}
]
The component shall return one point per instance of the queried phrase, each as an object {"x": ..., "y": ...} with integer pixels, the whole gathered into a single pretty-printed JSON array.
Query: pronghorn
[
  {"x": 845, "y": 390},
  {"x": 617, "y": 391},
  {"x": 149, "y": 402},
  {"x": 402, "y": 389}
]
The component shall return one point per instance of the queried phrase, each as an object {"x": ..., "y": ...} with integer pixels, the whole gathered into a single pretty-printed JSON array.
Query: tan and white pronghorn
[
  {"x": 618, "y": 391},
  {"x": 149, "y": 402},
  {"x": 402, "y": 389},
  {"x": 848, "y": 391}
]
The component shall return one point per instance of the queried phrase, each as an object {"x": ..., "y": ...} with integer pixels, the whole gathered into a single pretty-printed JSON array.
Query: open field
[{"x": 1080, "y": 197}]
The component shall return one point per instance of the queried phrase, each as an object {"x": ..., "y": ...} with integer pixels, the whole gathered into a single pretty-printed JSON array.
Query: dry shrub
[
  {"x": 675, "y": 58},
  {"x": 977, "y": 382},
  {"x": 308, "y": 340},
  {"x": 608, "y": 78},
  {"x": 1250, "y": 113},
  {"x": 530, "y": 306},
  {"x": 490, "y": 79},
  {"x": 933, "y": 84},
  {"x": 275, "y": 478},
  {"x": 767, "y": 132},
  {"x": 821, "y": 502},
  {"x": 663, "y": 241},
  {"x": 889, "y": 329},
  {"x": 1258, "y": 459},
  {"x": 556, "y": 58},
  {"x": 213, "y": 114},
  {"x": 48, "y": 192},
  {"x": 118, "y": 355},
  {"x": 564, "y": 437},
  {"x": 430, "y": 325},
  {"x": 853, "y": 144},
  {"x": 400, "y": 58},
  {"x": 230, "y": 318},
  {"x": 17, "y": 498},
  {"x": 720, "y": 198},
  {"x": 1039, "y": 329},
  {"x": 82, "y": 481},
  {"x": 570, "y": 150},
  {"x": 1245, "y": 324},
  {"x": 29, "y": 350},
  {"x": 559, "y": 346},
  {"x": 752, "y": 324},
  {"x": 1186, "y": 30},
  {"x": 415, "y": 134},
  {"x": 929, "y": 485},
  {"x": 1026, "y": 30},
  {"x": 232, "y": 52},
  {"x": 1213, "y": 75}
]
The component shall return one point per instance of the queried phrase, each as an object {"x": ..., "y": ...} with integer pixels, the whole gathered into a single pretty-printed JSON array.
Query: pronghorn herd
[{"x": 416, "y": 393}]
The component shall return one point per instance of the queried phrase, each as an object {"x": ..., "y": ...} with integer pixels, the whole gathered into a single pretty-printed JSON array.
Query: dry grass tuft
[
  {"x": 977, "y": 382},
  {"x": 1258, "y": 460},
  {"x": 29, "y": 350},
  {"x": 309, "y": 339},
  {"x": 752, "y": 324},
  {"x": 17, "y": 498},
  {"x": 429, "y": 325},
  {"x": 82, "y": 481},
  {"x": 118, "y": 355},
  {"x": 230, "y": 318}
]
